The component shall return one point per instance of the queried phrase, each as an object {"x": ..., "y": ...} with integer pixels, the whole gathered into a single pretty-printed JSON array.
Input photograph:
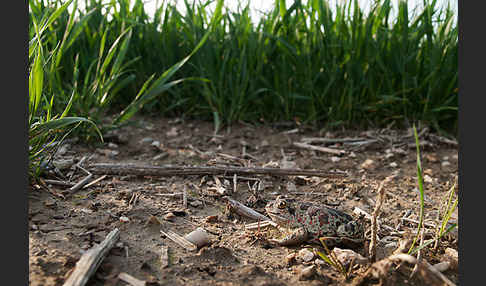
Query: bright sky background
[{"x": 265, "y": 5}]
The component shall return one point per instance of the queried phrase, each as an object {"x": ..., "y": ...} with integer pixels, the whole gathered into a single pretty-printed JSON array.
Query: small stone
[
  {"x": 149, "y": 127},
  {"x": 335, "y": 159},
  {"x": 112, "y": 145},
  {"x": 455, "y": 157},
  {"x": 445, "y": 158},
  {"x": 290, "y": 259},
  {"x": 453, "y": 257},
  {"x": 307, "y": 273},
  {"x": 305, "y": 255},
  {"x": 172, "y": 132},
  {"x": 352, "y": 155},
  {"x": 264, "y": 143},
  {"x": 196, "y": 203},
  {"x": 400, "y": 151},
  {"x": 345, "y": 256},
  {"x": 291, "y": 187},
  {"x": 389, "y": 155},
  {"x": 146, "y": 140},
  {"x": 428, "y": 179},
  {"x": 445, "y": 164},
  {"x": 155, "y": 144},
  {"x": 393, "y": 165},
  {"x": 170, "y": 216},
  {"x": 124, "y": 219},
  {"x": 368, "y": 164}
]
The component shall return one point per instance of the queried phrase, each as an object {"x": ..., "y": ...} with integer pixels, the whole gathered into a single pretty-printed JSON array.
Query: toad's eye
[{"x": 282, "y": 204}]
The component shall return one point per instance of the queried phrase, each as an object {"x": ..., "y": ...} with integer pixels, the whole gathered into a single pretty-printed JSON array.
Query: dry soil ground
[{"x": 62, "y": 224}]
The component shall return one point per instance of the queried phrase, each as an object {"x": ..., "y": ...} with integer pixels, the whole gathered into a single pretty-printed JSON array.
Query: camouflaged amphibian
[{"x": 311, "y": 221}]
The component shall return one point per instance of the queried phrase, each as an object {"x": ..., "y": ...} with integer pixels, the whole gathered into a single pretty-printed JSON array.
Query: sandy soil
[{"x": 62, "y": 225}]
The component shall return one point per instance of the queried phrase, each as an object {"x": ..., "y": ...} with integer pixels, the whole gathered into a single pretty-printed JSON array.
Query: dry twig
[
  {"x": 243, "y": 210},
  {"x": 374, "y": 224},
  {"x": 131, "y": 280},
  {"x": 180, "y": 240},
  {"x": 91, "y": 260},
  {"x": 319, "y": 148},
  {"x": 141, "y": 170}
]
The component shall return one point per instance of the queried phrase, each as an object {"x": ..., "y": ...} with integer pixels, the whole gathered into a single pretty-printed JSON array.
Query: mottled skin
[{"x": 309, "y": 222}]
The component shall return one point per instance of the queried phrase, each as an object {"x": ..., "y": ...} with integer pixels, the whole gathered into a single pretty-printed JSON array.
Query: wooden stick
[
  {"x": 59, "y": 183},
  {"x": 170, "y": 170},
  {"x": 243, "y": 210},
  {"x": 170, "y": 195},
  {"x": 94, "y": 181},
  {"x": 131, "y": 280},
  {"x": 309, "y": 140},
  {"x": 319, "y": 148},
  {"x": 164, "y": 257},
  {"x": 184, "y": 197},
  {"x": 81, "y": 183},
  {"x": 258, "y": 224},
  {"x": 91, "y": 260},
  {"x": 180, "y": 240}
]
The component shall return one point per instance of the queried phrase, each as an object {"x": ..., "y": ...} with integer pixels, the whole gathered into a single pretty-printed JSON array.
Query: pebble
[
  {"x": 335, "y": 159},
  {"x": 291, "y": 187},
  {"x": 345, "y": 256},
  {"x": 170, "y": 216},
  {"x": 453, "y": 257},
  {"x": 196, "y": 203},
  {"x": 172, "y": 132},
  {"x": 156, "y": 144},
  {"x": 305, "y": 255},
  {"x": 124, "y": 219},
  {"x": 368, "y": 164},
  {"x": 352, "y": 155},
  {"x": 307, "y": 273},
  {"x": 146, "y": 140},
  {"x": 428, "y": 179},
  {"x": 112, "y": 145},
  {"x": 289, "y": 259},
  {"x": 445, "y": 164},
  {"x": 393, "y": 165}
]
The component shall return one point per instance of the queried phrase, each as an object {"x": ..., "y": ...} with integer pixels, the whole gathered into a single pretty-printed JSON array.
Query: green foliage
[
  {"x": 45, "y": 127},
  {"x": 443, "y": 227},
  {"x": 325, "y": 65}
]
